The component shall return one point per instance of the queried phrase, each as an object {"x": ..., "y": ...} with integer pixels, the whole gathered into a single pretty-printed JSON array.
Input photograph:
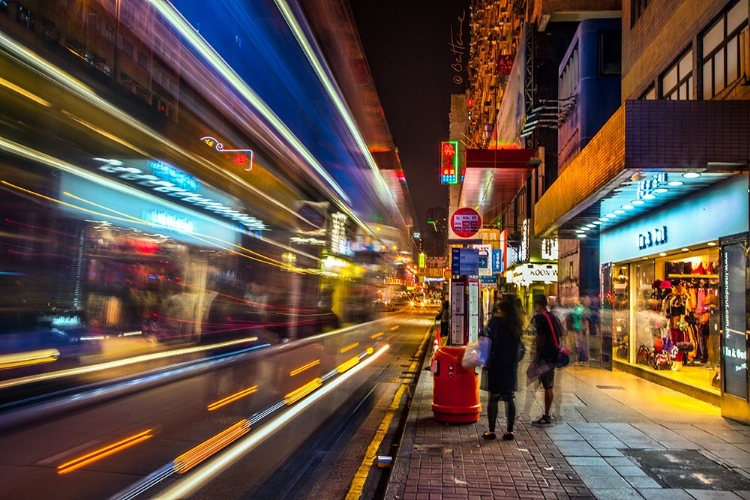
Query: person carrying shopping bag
[{"x": 504, "y": 329}]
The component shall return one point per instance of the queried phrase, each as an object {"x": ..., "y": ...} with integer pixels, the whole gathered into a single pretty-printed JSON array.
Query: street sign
[
  {"x": 465, "y": 261},
  {"x": 465, "y": 222}
]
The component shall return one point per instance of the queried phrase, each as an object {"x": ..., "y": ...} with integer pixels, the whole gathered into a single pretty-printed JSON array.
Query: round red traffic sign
[{"x": 466, "y": 222}]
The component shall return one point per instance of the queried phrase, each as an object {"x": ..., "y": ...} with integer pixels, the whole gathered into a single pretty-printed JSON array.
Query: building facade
[{"x": 649, "y": 186}]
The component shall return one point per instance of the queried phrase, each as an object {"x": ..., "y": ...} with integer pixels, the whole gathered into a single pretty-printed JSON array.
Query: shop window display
[{"x": 677, "y": 316}]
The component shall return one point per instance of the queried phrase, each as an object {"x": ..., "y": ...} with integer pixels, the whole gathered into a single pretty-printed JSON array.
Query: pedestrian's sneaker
[{"x": 544, "y": 420}]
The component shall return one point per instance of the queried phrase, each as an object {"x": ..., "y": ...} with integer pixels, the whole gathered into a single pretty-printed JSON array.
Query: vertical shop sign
[{"x": 734, "y": 345}]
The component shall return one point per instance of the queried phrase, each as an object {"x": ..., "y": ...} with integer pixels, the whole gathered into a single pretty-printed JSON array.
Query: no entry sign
[{"x": 466, "y": 222}]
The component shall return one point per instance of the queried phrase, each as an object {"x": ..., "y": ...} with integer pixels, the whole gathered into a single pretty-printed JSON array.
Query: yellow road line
[{"x": 360, "y": 478}]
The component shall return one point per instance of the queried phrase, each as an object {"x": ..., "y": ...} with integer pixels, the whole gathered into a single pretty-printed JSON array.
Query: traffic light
[{"x": 449, "y": 162}]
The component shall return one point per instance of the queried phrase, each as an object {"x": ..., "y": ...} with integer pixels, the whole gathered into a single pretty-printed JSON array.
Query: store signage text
[
  {"x": 549, "y": 249},
  {"x": 170, "y": 221},
  {"x": 657, "y": 236},
  {"x": 528, "y": 273},
  {"x": 183, "y": 190},
  {"x": 646, "y": 187},
  {"x": 524, "y": 251},
  {"x": 62, "y": 321}
]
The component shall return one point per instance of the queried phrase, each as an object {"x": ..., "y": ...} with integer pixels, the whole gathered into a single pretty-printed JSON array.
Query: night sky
[{"x": 407, "y": 44}]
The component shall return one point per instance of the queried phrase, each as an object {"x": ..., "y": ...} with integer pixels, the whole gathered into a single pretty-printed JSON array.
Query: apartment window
[
  {"x": 677, "y": 81},
  {"x": 650, "y": 93},
  {"x": 142, "y": 60},
  {"x": 127, "y": 48},
  {"x": 25, "y": 18},
  {"x": 610, "y": 53},
  {"x": 721, "y": 50},
  {"x": 637, "y": 8},
  {"x": 4, "y": 7},
  {"x": 570, "y": 75}
]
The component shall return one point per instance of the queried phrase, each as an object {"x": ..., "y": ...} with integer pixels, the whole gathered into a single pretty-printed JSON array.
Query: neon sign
[
  {"x": 244, "y": 157},
  {"x": 449, "y": 162}
]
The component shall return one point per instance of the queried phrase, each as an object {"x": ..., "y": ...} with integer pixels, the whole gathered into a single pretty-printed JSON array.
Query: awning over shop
[
  {"x": 492, "y": 177},
  {"x": 649, "y": 152}
]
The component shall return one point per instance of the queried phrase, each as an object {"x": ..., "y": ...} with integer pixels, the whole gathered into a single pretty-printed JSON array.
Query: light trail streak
[
  {"x": 334, "y": 94},
  {"x": 198, "y": 454},
  {"x": 304, "y": 367},
  {"x": 199, "y": 44},
  {"x": 120, "y": 363},
  {"x": 232, "y": 398},
  {"x": 187, "y": 486},
  {"x": 16, "y": 360},
  {"x": 77, "y": 88},
  {"x": 15, "y": 88},
  {"x": 104, "y": 452},
  {"x": 348, "y": 347}
]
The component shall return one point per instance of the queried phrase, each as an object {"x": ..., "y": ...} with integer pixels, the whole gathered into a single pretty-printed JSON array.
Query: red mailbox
[{"x": 455, "y": 392}]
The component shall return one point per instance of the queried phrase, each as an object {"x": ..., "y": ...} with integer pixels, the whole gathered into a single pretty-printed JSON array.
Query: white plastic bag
[
  {"x": 483, "y": 357},
  {"x": 469, "y": 361}
]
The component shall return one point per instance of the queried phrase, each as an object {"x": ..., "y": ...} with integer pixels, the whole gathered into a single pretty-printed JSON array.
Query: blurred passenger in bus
[{"x": 327, "y": 319}]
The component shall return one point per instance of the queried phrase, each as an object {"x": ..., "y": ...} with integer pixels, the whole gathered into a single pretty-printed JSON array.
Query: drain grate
[
  {"x": 619, "y": 387},
  {"x": 687, "y": 469}
]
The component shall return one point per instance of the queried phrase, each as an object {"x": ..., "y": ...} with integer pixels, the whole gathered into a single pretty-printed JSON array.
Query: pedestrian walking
[
  {"x": 579, "y": 324},
  {"x": 504, "y": 329},
  {"x": 547, "y": 328},
  {"x": 445, "y": 317}
]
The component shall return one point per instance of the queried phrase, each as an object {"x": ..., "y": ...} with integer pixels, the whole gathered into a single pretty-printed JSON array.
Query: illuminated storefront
[{"x": 673, "y": 292}]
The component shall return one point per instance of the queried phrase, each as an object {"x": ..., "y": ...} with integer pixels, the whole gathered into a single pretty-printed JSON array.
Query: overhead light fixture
[
  {"x": 590, "y": 226},
  {"x": 637, "y": 202},
  {"x": 604, "y": 219},
  {"x": 661, "y": 190},
  {"x": 691, "y": 175},
  {"x": 581, "y": 235},
  {"x": 628, "y": 207},
  {"x": 711, "y": 243},
  {"x": 663, "y": 254},
  {"x": 649, "y": 196},
  {"x": 620, "y": 211},
  {"x": 685, "y": 249},
  {"x": 597, "y": 222},
  {"x": 612, "y": 215},
  {"x": 580, "y": 231},
  {"x": 675, "y": 183}
]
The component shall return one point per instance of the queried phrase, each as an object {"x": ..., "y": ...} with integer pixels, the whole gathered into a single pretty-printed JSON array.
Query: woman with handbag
[{"x": 504, "y": 329}]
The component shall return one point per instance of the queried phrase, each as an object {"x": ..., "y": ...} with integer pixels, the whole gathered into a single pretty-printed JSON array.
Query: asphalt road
[{"x": 314, "y": 446}]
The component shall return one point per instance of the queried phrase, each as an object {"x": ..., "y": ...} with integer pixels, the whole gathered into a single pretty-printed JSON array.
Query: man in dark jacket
[{"x": 546, "y": 353}]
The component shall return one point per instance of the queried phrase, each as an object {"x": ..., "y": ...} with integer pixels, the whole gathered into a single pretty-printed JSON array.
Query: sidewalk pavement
[{"x": 616, "y": 436}]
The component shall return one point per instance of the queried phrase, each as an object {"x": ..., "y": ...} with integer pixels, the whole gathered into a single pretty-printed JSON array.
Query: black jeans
[{"x": 510, "y": 410}]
